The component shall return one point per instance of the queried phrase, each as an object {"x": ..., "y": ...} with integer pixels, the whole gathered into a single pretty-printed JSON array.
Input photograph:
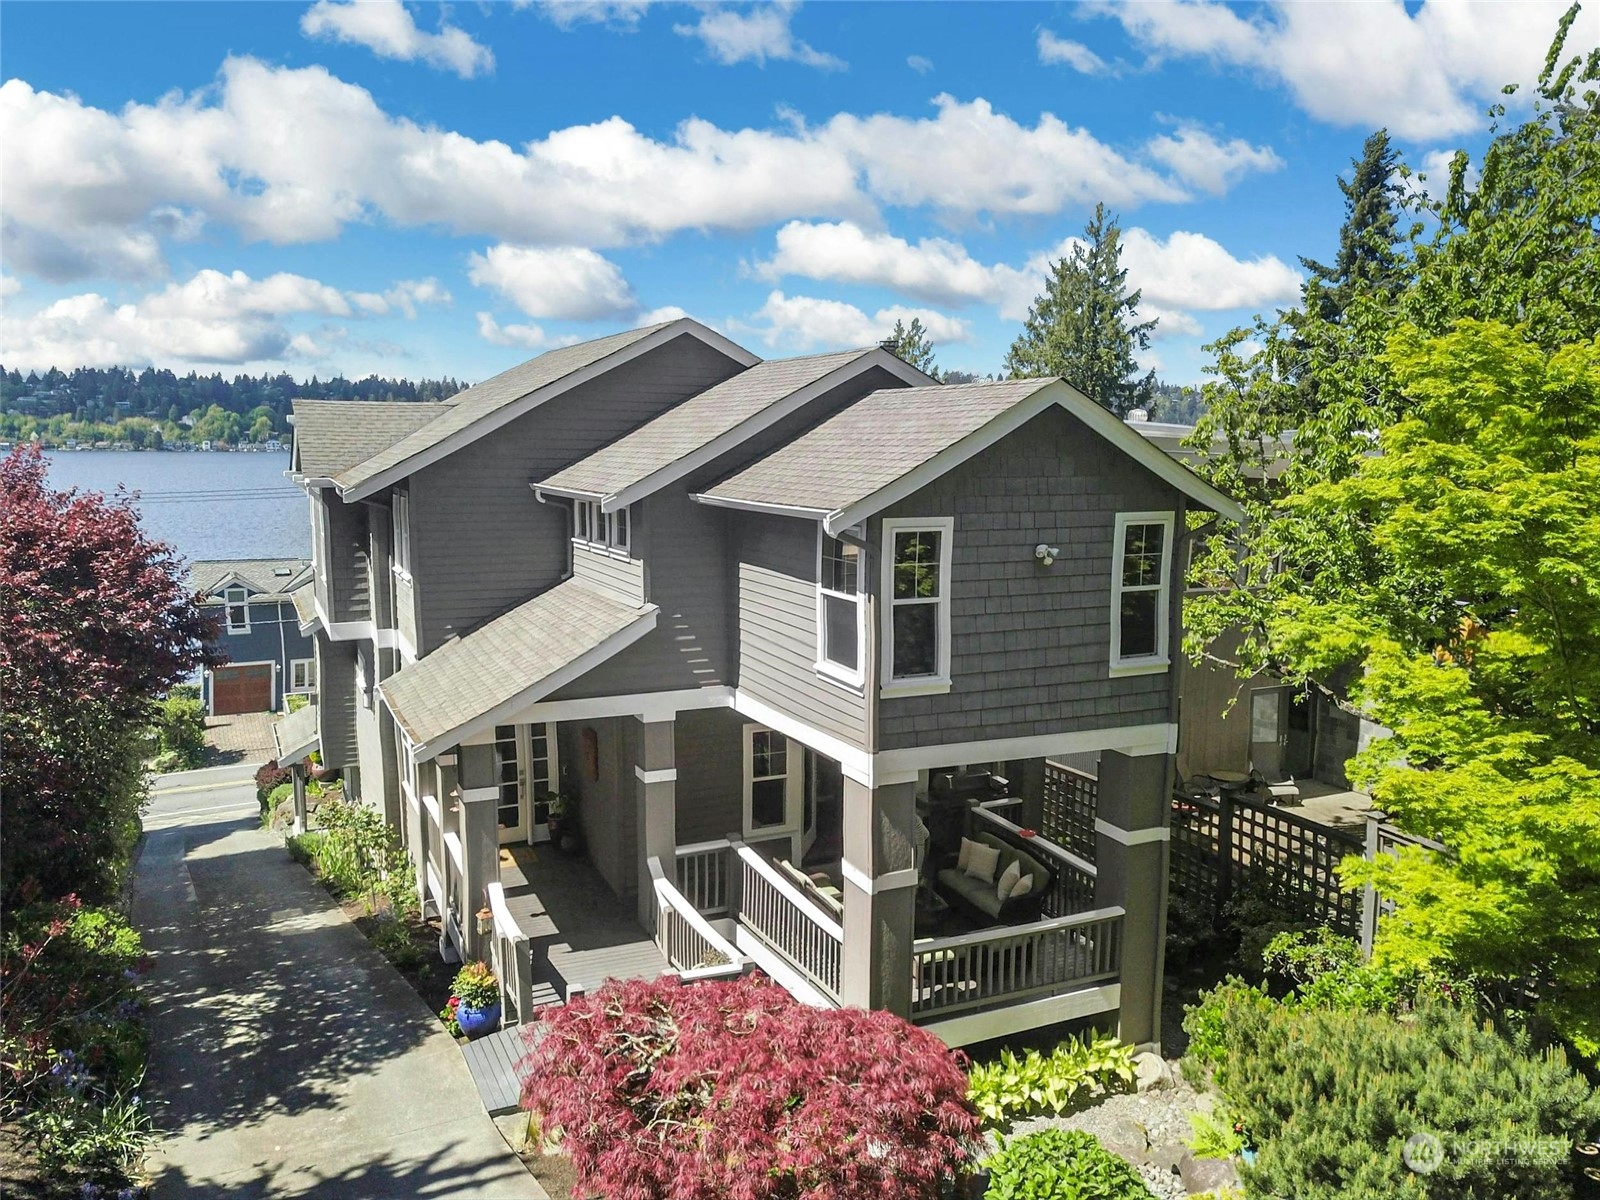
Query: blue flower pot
[{"x": 475, "y": 1022}]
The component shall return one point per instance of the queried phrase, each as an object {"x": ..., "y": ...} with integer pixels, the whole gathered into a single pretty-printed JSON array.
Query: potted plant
[
  {"x": 474, "y": 1006},
  {"x": 565, "y": 833}
]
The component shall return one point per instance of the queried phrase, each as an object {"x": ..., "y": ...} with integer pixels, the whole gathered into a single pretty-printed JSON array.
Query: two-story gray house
[{"x": 784, "y": 648}]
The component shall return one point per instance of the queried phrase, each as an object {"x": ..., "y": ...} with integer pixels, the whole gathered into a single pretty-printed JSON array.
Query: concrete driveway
[{"x": 287, "y": 1058}]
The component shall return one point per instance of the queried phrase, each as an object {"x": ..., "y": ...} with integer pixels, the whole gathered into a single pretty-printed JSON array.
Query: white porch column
[
  {"x": 880, "y": 888},
  {"x": 1131, "y": 831},
  {"x": 656, "y": 811}
]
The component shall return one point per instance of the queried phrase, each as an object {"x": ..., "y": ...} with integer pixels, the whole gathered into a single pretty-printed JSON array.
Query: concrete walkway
[{"x": 288, "y": 1059}]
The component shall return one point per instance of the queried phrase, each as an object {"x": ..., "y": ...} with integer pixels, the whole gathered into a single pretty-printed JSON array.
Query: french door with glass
[{"x": 526, "y": 775}]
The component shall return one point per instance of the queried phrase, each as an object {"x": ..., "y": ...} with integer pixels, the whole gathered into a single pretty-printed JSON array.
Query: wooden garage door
[{"x": 241, "y": 689}]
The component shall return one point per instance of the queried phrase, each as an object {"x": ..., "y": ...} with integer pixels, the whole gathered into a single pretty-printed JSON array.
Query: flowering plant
[{"x": 475, "y": 986}]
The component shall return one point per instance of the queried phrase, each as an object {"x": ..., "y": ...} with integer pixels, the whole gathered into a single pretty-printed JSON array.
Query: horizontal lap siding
[
  {"x": 777, "y": 573},
  {"x": 1030, "y": 645},
  {"x": 710, "y": 788},
  {"x": 480, "y": 540},
  {"x": 347, "y": 549},
  {"x": 622, "y": 578},
  {"x": 336, "y": 702}
]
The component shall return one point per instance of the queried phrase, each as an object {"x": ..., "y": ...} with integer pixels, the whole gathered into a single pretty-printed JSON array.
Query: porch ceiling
[{"x": 514, "y": 660}]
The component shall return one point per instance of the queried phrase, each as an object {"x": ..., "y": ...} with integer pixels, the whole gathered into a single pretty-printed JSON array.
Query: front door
[
  {"x": 525, "y": 773},
  {"x": 1268, "y": 730}
]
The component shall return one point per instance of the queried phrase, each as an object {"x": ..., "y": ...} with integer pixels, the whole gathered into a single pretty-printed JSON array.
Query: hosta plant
[
  {"x": 733, "y": 1090},
  {"x": 1061, "y": 1164},
  {"x": 1014, "y": 1086}
]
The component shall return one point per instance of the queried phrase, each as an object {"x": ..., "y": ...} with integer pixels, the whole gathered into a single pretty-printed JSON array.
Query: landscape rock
[
  {"x": 1167, "y": 1157},
  {"x": 1202, "y": 1175},
  {"x": 1150, "y": 1071}
]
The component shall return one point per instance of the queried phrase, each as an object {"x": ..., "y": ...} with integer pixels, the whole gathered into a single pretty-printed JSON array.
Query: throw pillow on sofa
[
  {"x": 966, "y": 853},
  {"x": 1023, "y": 886},
  {"x": 1008, "y": 880},
  {"x": 981, "y": 862}
]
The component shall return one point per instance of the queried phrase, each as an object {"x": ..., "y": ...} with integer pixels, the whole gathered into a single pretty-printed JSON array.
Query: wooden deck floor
[
  {"x": 492, "y": 1061},
  {"x": 581, "y": 933}
]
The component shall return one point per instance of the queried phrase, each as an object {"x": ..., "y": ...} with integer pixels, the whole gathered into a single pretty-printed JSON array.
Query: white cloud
[
  {"x": 1424, "y": 72},
  {"x": 934, "y": 270},
  {"x": 529, "y": 337},
  {"x": 293, "y": 155},
  {"x": 565, "y": 283},
  {"x": 1431, "y": 178},
  {"x": 919, "y": 63},
  {"x": 10, "y": 285},
  {"x": 1201, "y": 161},
  {"x": 1058, "y": 51},
  {"x": 212, "y": 318},
  {"x": 807, "y": 323},
  {"x": 1189, "y": 270},
  {"x": 1170, "y": 322},
  {"x": 660, "y": 316},
  {"x": 387, "y": 28},
  {"x": 404, "y": 296},
  {"x": 755, "y": 35},
  {"x": 619, "y": 14}
]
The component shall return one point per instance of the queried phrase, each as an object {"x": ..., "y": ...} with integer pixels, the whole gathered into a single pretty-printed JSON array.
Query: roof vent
[
  {"x": 282, "y": 571},
  {"x": 1137, "y": 416}
]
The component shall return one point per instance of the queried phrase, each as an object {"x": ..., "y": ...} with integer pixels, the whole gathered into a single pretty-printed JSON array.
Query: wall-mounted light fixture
[{"x": 1046, "y": 554}]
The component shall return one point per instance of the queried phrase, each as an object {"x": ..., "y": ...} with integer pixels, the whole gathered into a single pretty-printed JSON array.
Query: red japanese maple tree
[
  {"x": 97, "y": 622},
  {"x": 736, "y": 1091}
]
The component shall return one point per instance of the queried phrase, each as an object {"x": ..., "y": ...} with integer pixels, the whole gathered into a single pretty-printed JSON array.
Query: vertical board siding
[
  {"x": 777, "y": 574},
  {"x": 1030, "y": 644},
  {"x": 710, "y": 789},
  {"x": 620, "y": 578},
  {"x": 480, "y": 541},
  {"x": 336, "y": 702}
]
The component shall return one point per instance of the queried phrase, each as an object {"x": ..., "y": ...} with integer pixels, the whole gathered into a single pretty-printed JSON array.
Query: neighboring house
[
  {"x": 269, "y": 657},
  {"x": 755, "y": 622}
]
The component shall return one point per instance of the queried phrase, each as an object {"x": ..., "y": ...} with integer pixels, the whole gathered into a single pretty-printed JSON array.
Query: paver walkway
[
  {"x": 288, "y": 1059},
  {"x": 240, "y": 737}
]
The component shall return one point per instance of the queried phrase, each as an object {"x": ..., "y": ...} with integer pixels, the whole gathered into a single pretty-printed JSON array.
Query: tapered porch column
[
  {"x": 1131, "y": 832},
  {"x": 880, "y": 888},
  {"x": 297, "y": 773},
  {"x": 656, "y": 813}
]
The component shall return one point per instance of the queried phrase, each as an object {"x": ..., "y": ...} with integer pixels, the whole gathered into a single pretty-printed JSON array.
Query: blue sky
[{"x": 422, "y": 190}]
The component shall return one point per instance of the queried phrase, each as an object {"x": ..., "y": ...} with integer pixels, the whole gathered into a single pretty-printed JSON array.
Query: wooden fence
[{"x": 1069, "y": 807}]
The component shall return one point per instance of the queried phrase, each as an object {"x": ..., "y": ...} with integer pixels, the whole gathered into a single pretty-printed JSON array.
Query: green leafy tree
[
  {"x": 910, "y": 344},
  {"x": 1433, "y": 538},
  {"x": 1082, "y": 327}
]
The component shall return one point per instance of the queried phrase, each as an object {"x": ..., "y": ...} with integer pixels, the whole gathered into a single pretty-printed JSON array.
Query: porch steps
[{"x": 492, "y": 1060}]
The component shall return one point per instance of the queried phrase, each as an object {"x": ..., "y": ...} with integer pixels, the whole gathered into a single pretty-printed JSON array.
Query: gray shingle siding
[
  {"x": 1030, "y": 645},
  {"x": 336, "y": 702},
  {"x": 710, "y": 788},
  {"x": 480, "y": 542},
  {"x": 777, "y": 625}
]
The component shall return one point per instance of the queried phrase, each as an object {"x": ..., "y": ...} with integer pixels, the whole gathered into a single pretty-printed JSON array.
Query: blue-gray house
[{"x": 269, "y": 658}]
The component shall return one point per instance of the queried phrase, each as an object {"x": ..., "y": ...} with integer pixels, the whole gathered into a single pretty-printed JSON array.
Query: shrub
[
  {"x": 295, "y": 703},
  {"x": 275, "y": 799},
  {"x": 1326, "y": 970},
  {"x": 394, "y": 941},
  {"x": 733, "y": 1089},
  {"x": 1014, "y": 1087},
  {"x": 1061, "y": 1164},
  {"x": 180, "y": 728},
  {"x": 475, "y": 986},
  {"x": 303, "y": 847},
  {"x": 1336, "y": 1100},
  {"x": 358, "y": 849},
  {"x": 1226, "y": 1010},
  {"x": 1261, "y": 908},
  {"x": 269, "y": 777}
]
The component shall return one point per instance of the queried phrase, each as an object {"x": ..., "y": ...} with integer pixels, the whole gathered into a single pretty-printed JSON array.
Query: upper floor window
[
  {"x": 302, "y": 674},
  {"x": 402, "y": 533},
  {"x": 602, "y": 530},
  {"x": 916, "y": 566},
  {"x": 237, "y": 600},
  {"x": 839, "y": 607},
  {"x": 1141, "y": 572}
]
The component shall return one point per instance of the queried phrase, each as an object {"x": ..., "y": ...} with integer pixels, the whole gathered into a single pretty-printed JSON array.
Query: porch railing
[
  {"x": 788, "y": 924},
  {"x": 512, "y": 958},
  {"x": 1075, "y": 878},
  {"x": 687, "y": 940},
  {"x": 1002, "y": 966},
  {"x": 705, "y": 876}
]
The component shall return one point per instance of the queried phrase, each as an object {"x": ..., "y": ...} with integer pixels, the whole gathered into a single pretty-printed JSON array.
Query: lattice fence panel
[
  {"x": 1069, "y": 807},
  {"x": 1293, "y": 861},
  {"x": 1195, "y": 870}
]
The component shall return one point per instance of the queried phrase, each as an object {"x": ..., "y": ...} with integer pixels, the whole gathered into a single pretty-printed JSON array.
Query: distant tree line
[{"x": 154, "y": 407}]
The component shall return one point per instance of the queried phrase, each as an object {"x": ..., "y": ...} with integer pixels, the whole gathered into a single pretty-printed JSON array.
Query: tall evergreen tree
[
  {"x": 1371, "y": 257},
  {"x": 1083, "y": 329},
  {"x": 910, "y": 344}
]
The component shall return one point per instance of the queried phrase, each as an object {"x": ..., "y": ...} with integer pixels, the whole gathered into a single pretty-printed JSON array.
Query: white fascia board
[
  {"x": 776, "y": 510},
  {"x": 762, "y": 420},
  {"x": 541, "y": 688},
  {"x": 540, "y": 492},
  {"x": 943, "y": 462},
  {"x": 652, "y": 706},
  {"x": 1133, "y": 740},
  {"x": 507, "y": 413}
]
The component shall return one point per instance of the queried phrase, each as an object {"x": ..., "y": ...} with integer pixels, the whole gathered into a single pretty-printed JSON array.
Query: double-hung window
[
  {"x": 916, "y": 609},
  {"x": 402, "y": 534},
  {"x": 771, "y": 779},
  {"x": 840, "y": 634},
  {"x": 237, "y": 600},
  {"x": 601, "y": 530},
  {"x": 1141, "y": 573}
]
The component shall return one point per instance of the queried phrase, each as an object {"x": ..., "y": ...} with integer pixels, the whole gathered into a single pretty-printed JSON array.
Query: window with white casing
[
  {"x": 617, "y": 530},
  {"x": 1141, "y": 573},
  {"x": 840, "y": 611},
  {"x": 771, "y": 777},
  {"x": 601, "y": 530},
  {"x": 916, "y": 605},
  {"x": 302, "y": 675},
  {"x": 402, "y": 534},
  {"x": 237, "y": 601}
]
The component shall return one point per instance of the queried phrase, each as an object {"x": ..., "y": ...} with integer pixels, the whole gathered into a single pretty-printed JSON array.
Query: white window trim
[
  {"x": 916, "y": 685},
  {"x": 1160, "y": 661},
  {"x": 400, "y": 549},
  {"x": 793, "y": 782},
  {"x": 229, "y": 604},
  {"x": 826, "y": 668},
  {"x": 587, "y": 519},
  {"x": 309, "y": 682}
]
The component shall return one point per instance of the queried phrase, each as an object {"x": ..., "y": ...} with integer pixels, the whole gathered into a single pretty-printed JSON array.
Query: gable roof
[
  {"x": 331, "y": 436},
  {"x": 707, "y": 424},
  {"x": 481, "y": 409},
  {"x": 890, "y": 443},
  {"x": 470, "y": 683},
  {"x": 268, "y": 578}
]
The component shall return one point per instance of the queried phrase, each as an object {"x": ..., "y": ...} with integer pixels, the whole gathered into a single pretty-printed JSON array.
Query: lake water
[{"x": 207, "y": 505}]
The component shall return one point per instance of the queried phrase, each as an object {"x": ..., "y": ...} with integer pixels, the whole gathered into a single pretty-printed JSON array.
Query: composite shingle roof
[
  {"x": 270, "y": 578},
  {"x": 331, "y": 436},
  {"x": 872, "y": 443},
  {"x": 697, "y": 422},
  {"x": 508, "y": 659}
]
